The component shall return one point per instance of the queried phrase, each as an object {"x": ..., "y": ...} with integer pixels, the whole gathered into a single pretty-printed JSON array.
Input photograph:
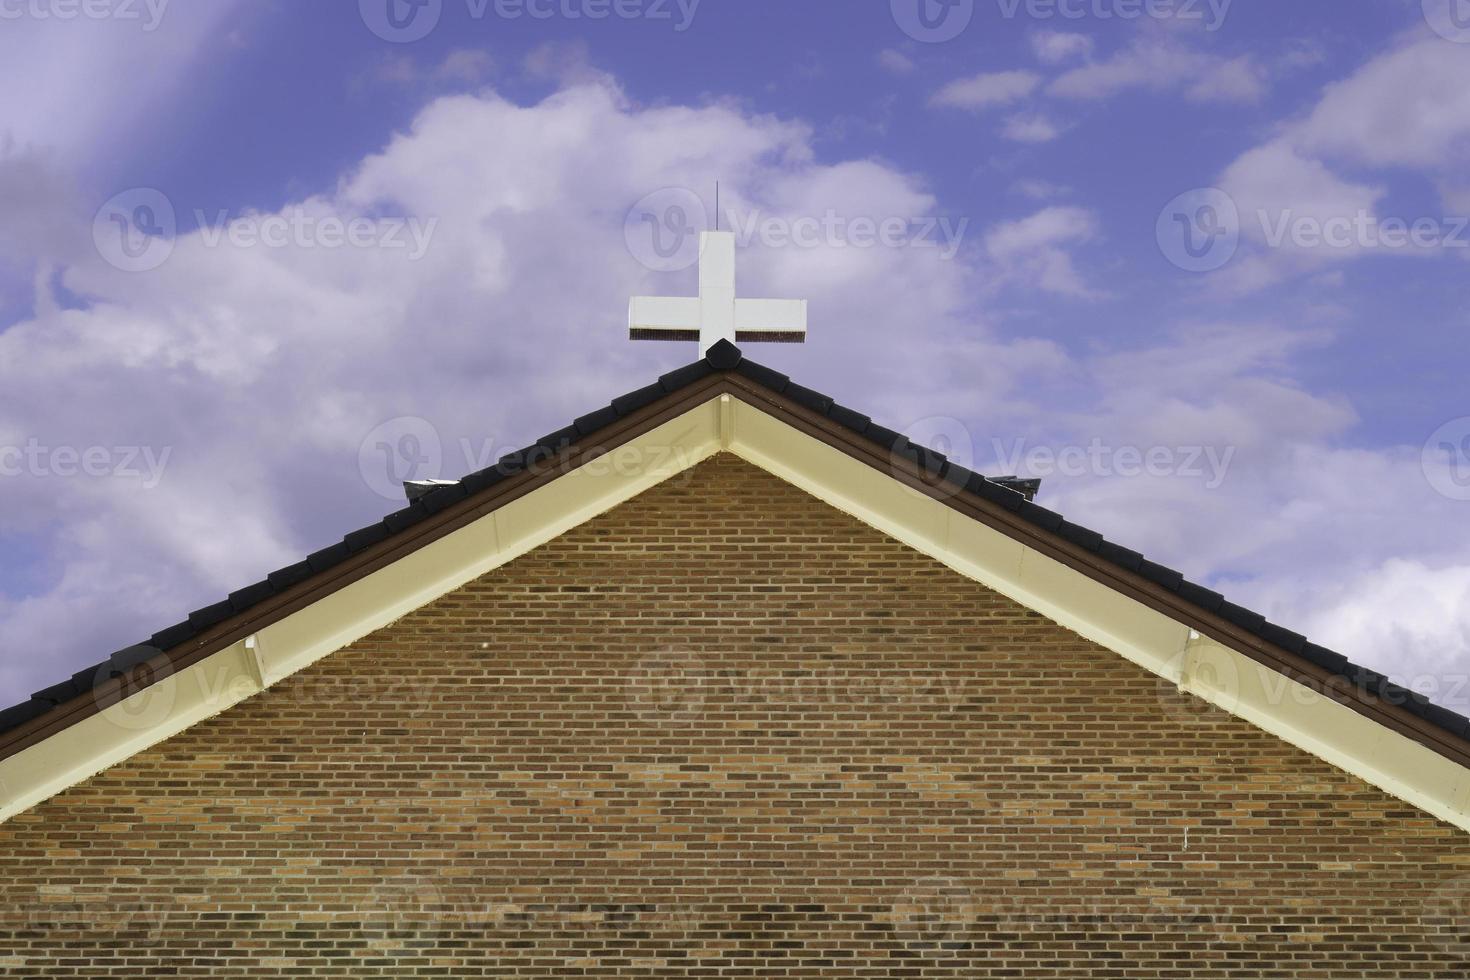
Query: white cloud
[
  {"x": 1161, "y": 63},
  {"x": 1055, "y": 47},
  {"x": 1030, "y": 129},
  {"x": 896, "y": 62},
  {"x": 1035, "y": 249},
  {"x": 1405, "y": 109},
  {"x": 1409, "y": 107},
  {"x": 1040, "y": 190},
  {"x": 987, "y": 90}
]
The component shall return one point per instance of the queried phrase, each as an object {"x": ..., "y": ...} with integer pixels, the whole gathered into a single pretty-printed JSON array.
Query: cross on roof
[{"x": 715, "y": 314}]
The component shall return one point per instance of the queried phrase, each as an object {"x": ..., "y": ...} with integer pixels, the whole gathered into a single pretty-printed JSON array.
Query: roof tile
[
  {"x": 167, "y": 639},
  {"x": 283, "y": 578},
  {"x": 686, "y": 375},
  {"x": 633, "y": 401},
  {"x": 764, "y": 376},
  {"x": 849, "y": 419},
  {"x": 366, "y": 537},
  {"x": 591, "y": 422},
  {"x": 243, "y": 599}
]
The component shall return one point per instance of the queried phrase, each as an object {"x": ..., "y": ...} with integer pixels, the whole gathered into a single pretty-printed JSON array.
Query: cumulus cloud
[
  {"x": 1037, "y": 249},
  {"x": 1406, "y": 109},
  {"x": 896, "y": 62},
  {"x": 1160, "y": 62},
  {"x": 987, "y": 90},
  {"x": 1055, "y": 47},
  {"x": 1032, "y": 128}
]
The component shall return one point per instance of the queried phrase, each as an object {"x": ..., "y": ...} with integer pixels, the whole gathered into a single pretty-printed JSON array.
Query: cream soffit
[{"x": 1201, "y": 666}]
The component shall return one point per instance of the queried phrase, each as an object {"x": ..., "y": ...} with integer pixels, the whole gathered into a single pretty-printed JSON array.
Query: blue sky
[{"x": 1303, "y": 398}]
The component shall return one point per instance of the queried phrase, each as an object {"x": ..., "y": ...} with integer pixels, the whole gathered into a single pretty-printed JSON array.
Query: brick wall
[{"x": 726, "y": 731}]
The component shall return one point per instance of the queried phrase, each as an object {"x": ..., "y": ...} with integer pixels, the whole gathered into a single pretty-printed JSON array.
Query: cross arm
[
  {"x": 770, "y": 320},
  {"x": 663, "y": 318}
]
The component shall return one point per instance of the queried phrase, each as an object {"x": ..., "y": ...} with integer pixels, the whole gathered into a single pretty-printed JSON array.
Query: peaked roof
[{"x": 435, "y": 511}]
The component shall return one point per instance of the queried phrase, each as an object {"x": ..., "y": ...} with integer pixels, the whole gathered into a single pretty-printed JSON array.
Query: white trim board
[{"x": 1251, "y": 691}]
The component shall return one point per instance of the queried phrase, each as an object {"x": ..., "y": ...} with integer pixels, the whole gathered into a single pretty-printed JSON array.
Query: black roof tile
[
  {"x": 807, "y": 398},
  {"x": 995, "y": 493},
  {"x": 724, "y": 356},
  {"x": 1323, "y": 657},
  {"x": 590, "y": 423},
  {"x": 14, "y": 717},
  {"x": 1010, "y": 492},
  {"x": 764, "y": 376},
  {"x": 1040, "y": 516},
  {"x": 958, "y": 475},
  {"x": 90, "y": 678},
  {"x": 558, "y": 440},
  {"x": 884, "y": 436},
  {"x": 283, "y": 578},
  {"x": 686, "y": 375},
  {"x": 1161, "y": 575},
  {"x": 366, "y": 537},
  {"x": 125, "y": 660},
  {"x": 631, "y": 402},
  {"x": 1200, "y": 596},
  {"x": 334, "y": 555},
  {"x": 476, "y": 482},
  {"x": 57, "y": 693},
  {"x": 402, "y": 520},
  {"x": 203, "y": 619},
  {"x": 444, "y": 497},
  {"x": 251, "y": 595},
  {"x": 848, "y": 419},
  {"x": 1242, "y": 617},
  {"x": 1283, "y": 638},
  {"x": 1079, "y": 535},
  {"x": 167, "y": 639},
  {"x": 1119, "y": 555}
]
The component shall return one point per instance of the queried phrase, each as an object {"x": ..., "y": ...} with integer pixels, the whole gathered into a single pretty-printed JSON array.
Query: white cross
[{"x": 716, "y": 314}]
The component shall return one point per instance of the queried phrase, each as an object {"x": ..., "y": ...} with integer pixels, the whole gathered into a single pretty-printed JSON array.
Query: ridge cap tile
[{"x": 724, "y": 356}]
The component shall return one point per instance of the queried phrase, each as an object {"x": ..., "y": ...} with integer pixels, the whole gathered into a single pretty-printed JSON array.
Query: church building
[{"x": 725, "y": 679}]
